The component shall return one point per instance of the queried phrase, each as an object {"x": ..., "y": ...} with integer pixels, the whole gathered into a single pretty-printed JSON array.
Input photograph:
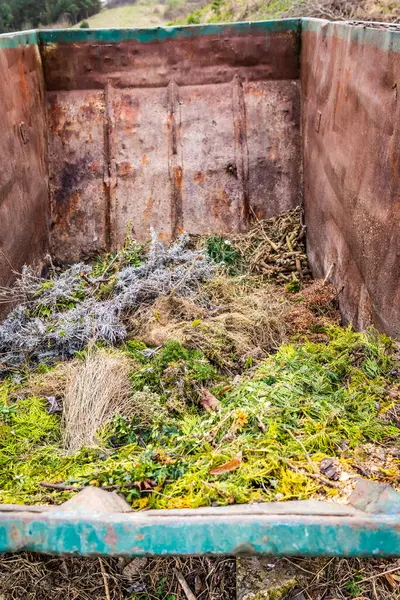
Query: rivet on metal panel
[
  {"x": 232, "y": 169},
  {"x": 23, "y": 131},
  {"x": 318, "y": 121}
]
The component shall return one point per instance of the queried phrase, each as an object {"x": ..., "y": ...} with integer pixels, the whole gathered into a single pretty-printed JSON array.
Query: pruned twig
[
  {"x": 184, "y": 585},
  {"x": 105, "y": 579},
  {"x": 320, "y": 478}
]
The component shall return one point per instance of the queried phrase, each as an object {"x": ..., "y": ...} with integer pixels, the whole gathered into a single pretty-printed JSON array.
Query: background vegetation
[
  {"x": 24, "y": 14},
  {"x": 16, "y": 15}
]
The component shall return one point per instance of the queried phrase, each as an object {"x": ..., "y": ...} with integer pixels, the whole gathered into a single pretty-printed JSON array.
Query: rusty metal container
[{"x": 198, "y": 129}]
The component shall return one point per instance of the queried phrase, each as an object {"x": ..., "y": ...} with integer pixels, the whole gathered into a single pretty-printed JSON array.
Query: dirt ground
[{"x": 34, "y": 577}]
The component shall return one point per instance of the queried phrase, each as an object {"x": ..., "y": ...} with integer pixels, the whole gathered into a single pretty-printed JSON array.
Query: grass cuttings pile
[{"x": 195, "y": 438}]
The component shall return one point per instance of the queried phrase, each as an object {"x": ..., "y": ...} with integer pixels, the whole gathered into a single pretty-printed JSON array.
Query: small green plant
[
  {"x": 353, "y": 586},
  {"x": 161, "y": 592},
  {"x": 221, "y": 251},
  {"x": 174, "y": 373},
  {"x": 216, "y": 6},
  {"x": 194, "y": 18},
  {"x": 293, "y": 287},
  {"x": 84, "y": 25}
]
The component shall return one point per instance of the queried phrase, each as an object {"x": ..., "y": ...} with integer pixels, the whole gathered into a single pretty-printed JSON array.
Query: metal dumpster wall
[
  {"x": 350, "y": 78},
  {"x": 188, "y": 128},
  {"x": 23, "y": 167}
]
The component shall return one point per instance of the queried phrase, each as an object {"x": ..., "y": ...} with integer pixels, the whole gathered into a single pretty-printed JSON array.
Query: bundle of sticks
[{"x": 275, "y": 247}]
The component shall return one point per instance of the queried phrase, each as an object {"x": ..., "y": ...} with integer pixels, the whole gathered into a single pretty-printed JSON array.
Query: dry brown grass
[
  {"x": 339, "y": 10},
  {"x": 43, "y": 577},
  {"x": 237, "y": 319},
  {"x": 242, "y": 320},
  {"x": 51, "y": 383},
  {"x": 96, "y": 389}
]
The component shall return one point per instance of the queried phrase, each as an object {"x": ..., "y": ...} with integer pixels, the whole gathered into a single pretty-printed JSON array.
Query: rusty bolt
[
  {"x": 232, "y": 169},
  {"x": 23, "y": 130}
]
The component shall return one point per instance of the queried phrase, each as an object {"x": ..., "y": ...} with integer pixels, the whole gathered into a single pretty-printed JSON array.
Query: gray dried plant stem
[
  {"x": 97, "y": 388},
  {"x": 29, "y": 333}
]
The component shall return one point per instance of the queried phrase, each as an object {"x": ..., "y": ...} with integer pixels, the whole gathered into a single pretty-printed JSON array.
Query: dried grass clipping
[
  {"x": 50, "y": 383},
  {"x": 243, "y": 321},
  {"x": 97, "y": 388}
]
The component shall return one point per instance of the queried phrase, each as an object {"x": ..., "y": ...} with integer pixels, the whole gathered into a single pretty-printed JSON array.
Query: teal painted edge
[
  {"x": 57, "y": 36},
  {"x": 387, "y": 39},
  {"x": 385, "y": 36},
  {"x": 21, "y": 38},
  {"x": 134, "y": 535}
]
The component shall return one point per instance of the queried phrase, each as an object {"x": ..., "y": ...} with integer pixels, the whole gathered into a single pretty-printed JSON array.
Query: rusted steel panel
[
  {"x": 275, "y": 162},
  {"x": 143, "y": 191},
  {"x": 351, "y": 123},
  {"x": 195, "y": 158},
  {"x": 212, "y": 191},
  {"x": 175, "y": 156},
  {"x": 78, "y": 170},
  {"x": 253, "y": 52},
  {"x": 23, "y": 174}
]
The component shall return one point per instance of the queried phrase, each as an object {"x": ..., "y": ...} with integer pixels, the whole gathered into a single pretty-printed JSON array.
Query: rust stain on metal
[
  {"x": 110, "y": 169},
  {"x": 124, "y": 168},
  {"x": 77, "y": 165},
  {"x": 111, "y": 537},
  {"x": 274, "y": 146},
  {"x": 199, "y": 177},
  {"x": 240, "y": 168},
  {"x": 175, "y": 166},
  {"x": 148, "y": 211},
  {"x": 23, "y": 85},
  {"x": 209, "y": 145},
  {"x": 140, "y": 117},
  {"x": 352, "y": 190},
  {"x": 201, "y": 60}
]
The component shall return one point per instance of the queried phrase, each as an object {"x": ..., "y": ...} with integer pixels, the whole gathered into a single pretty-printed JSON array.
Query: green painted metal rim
[
  {"x": 18, "y": 39},
  {"x": 54, "y": 36},
  {"x": 386, "y": 36},
  {"x": 134, "y": 535}
]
